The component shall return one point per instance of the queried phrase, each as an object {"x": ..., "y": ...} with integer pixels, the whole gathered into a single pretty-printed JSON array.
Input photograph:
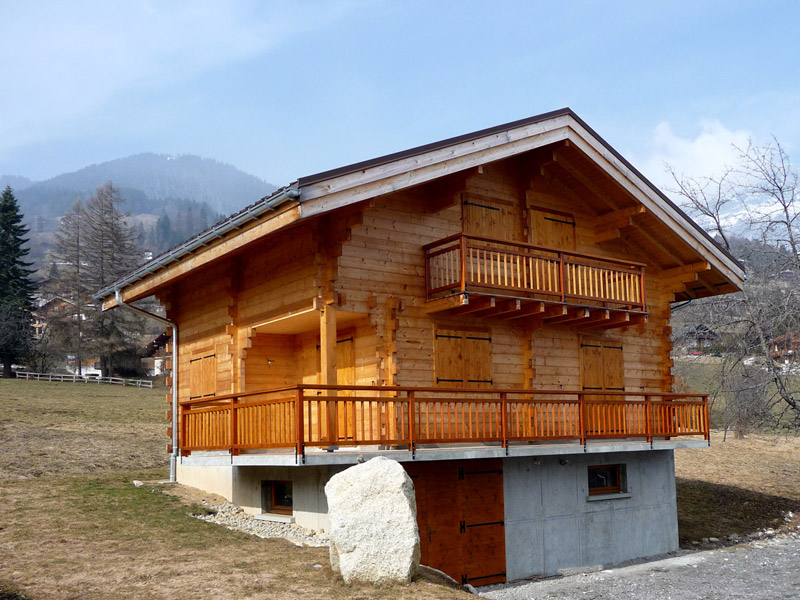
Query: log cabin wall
[
  {"x": 369, "y": 260},
  {"x": 383, "y": 266}
]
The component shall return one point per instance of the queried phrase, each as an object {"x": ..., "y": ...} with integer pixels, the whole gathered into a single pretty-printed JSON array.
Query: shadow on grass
[{"x": 713, "y": 510}]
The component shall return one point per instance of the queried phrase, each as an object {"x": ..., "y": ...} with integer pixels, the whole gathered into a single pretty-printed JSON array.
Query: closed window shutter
[
  {"x": 203, "y": 376},
  {"x": 449, "y": 360},
  {"x": 552, "y": 229}
]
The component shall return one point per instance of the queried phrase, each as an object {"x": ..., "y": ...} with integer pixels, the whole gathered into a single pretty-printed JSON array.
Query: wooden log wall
[{"x": 368, "y": 259}]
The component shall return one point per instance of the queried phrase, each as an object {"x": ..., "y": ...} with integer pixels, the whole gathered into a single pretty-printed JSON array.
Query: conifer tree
[{"x": 16, "y": 287}]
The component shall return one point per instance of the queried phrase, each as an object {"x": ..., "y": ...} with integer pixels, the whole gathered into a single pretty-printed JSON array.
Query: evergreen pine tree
[{"x": 16, "y": 287}]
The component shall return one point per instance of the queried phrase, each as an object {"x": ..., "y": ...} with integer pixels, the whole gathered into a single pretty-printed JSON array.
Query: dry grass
[
  {"x": 737, "y": 486},
  {"x": 73, "y": 526}
]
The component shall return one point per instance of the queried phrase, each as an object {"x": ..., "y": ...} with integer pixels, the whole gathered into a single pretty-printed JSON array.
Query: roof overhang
[{"x": 327, "y": 191}]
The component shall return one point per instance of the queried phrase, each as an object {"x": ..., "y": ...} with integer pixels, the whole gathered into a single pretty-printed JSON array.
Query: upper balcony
[{"x": 491, "y": 277}]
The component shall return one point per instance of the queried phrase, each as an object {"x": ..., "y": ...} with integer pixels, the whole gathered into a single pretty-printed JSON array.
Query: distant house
[
  {"x": 695, "y": 337},
  {"x": 490, "y": 310},
  {"x": 785, "y": 348}
]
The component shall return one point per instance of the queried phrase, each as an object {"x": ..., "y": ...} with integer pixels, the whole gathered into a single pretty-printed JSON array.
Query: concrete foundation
[
  {"x": 552, "y": 523},
  {"x": 242, "y": 486}
]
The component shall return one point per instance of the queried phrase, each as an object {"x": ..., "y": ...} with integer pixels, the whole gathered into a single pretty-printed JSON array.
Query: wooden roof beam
[
  {"x": 658, "y": 244},
  {"x": 610, "y": 225},
  {"x": 560, "y": 159}
]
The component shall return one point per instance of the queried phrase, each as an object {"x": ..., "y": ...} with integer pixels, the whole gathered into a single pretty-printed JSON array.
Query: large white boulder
[{"x": 373, "y": 522}]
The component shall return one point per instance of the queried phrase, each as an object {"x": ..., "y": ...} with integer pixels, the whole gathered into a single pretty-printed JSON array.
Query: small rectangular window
[
  {"x": 606, "y": 479},
  {"x": 277, "y": 497}
]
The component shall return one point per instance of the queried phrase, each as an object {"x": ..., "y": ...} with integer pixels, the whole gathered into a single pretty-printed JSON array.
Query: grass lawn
[{"x": 73, "y": 526}]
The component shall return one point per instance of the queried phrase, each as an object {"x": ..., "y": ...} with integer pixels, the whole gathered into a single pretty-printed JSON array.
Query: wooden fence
[
  {"x": 322, "y": 416},
  {"x": 141, "y": 383}
]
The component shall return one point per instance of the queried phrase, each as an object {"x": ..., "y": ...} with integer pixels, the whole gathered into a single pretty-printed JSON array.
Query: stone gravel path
[
  {"x": 764, "y": 569},
  {"x": 233, "y": 517}
]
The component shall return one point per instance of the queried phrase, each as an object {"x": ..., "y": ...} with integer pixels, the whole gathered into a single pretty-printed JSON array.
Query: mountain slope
[{"x": 146, "y": 181}]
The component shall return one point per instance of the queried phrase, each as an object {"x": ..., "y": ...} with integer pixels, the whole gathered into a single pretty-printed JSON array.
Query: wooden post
[
  {"x": 648, "y": 407},
  {"x": 234, "y": 450},
  {"x": 463, "y": 253},
  {"x": 503, "y": 417},
  {"x": 299, "y": 425},
  {"x": 411, "y": 409},
  {"x": 561, "y": 276},
  {"x": 708, "y": 422},
  {"x": 581, "y": 417},
  {"x": 641, "y": 283},
  {"x": 327, "y": 349}
]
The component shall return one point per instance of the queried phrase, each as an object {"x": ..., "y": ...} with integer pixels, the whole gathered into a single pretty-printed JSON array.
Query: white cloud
[
  {"x": 707, "y": 154},
  {"x": 62, "y": 62}
]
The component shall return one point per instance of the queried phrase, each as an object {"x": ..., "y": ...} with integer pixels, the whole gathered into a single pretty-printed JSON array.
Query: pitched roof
[{"x": 325, "y": 191}]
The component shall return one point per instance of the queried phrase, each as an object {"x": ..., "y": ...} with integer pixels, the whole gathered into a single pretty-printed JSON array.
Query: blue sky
[{"x": 286, "y": 89}]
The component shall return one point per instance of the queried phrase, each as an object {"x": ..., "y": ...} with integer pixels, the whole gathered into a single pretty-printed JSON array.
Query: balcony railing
[
  {"x": 461, "y": 263},
  {"x": 337, "y": 416}
]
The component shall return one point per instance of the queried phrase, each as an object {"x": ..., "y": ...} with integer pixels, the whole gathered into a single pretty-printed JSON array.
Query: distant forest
[{"x": 169, "y": 198}]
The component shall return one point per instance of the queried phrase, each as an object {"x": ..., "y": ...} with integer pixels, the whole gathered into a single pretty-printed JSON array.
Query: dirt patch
[
  {"x": 738, "y": 486},
  {"x": 74, "y": 526}
]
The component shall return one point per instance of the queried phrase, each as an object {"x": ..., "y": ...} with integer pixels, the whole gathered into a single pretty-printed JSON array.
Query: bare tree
[{"x": 756, "y": 385}]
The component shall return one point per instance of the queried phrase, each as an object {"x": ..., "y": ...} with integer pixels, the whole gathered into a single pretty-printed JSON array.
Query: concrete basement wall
[
  {"x": 551, "y": 524},
  {"x": 242, "y": 486}
]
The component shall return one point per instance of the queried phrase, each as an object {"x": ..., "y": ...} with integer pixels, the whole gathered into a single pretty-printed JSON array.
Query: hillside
[{"x": 185, "y": 193}]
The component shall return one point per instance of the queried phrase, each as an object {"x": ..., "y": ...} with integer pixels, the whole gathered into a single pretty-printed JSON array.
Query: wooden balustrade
[
  {"x": 314, "y": 415},
  {"x": 461, "y": 262}
]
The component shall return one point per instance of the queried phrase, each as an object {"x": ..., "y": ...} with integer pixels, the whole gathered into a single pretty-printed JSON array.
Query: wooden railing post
[
  {"x": 641, "y": 286},
  {"x": 427, "y": 274},
  {"x": 648, "y": 409},
  {"x": 299, "y": 426},
  {"x": 182, "y": 442},
  {"x": 561, "y": 276},
  {"x": 233, "y": 426},
  {"x": 582, "y": 418},
  {"x": 707, "y": 433},
  {"x": 411, "y": 419},
  {"x": 463, "y": 252},
  {"x": 504, "y": 418}
]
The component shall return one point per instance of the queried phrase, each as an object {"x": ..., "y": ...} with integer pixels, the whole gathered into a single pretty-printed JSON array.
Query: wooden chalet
[{"x": 490, "y": 310}]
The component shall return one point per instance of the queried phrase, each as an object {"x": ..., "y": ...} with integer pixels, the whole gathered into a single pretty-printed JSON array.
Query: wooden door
[
  {"x": 460, "y": 514},
  {"x": 483, "y": 522},
  {"x": 346, "y": 375},
  {"x": 602, "y": 369}
]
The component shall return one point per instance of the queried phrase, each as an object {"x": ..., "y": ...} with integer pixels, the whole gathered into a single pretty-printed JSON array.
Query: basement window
[
  {"x": 607, "y": 479},
  {"x": 276, "y": 497}
]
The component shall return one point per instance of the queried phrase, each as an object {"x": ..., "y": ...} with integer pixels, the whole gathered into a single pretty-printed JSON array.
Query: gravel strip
[
  {"x": 766, "y": 569},
  {"x": 233, "y": 517}
]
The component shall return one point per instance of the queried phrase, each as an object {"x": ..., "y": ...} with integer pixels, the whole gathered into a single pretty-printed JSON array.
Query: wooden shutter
[
  {"x": 203, "y": 375},
  {"x": 463, "y": 358},
  {"x": 448, "y": 360},
  {"x": 552, "y": 228},
  {"x": 602, "y": 369},
  {"x": 490, "y": 217},
  {"x": 477, "y": 353}
]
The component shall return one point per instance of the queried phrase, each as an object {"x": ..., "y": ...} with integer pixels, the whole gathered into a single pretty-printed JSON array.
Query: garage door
[{"x": 460, "y": 517}]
